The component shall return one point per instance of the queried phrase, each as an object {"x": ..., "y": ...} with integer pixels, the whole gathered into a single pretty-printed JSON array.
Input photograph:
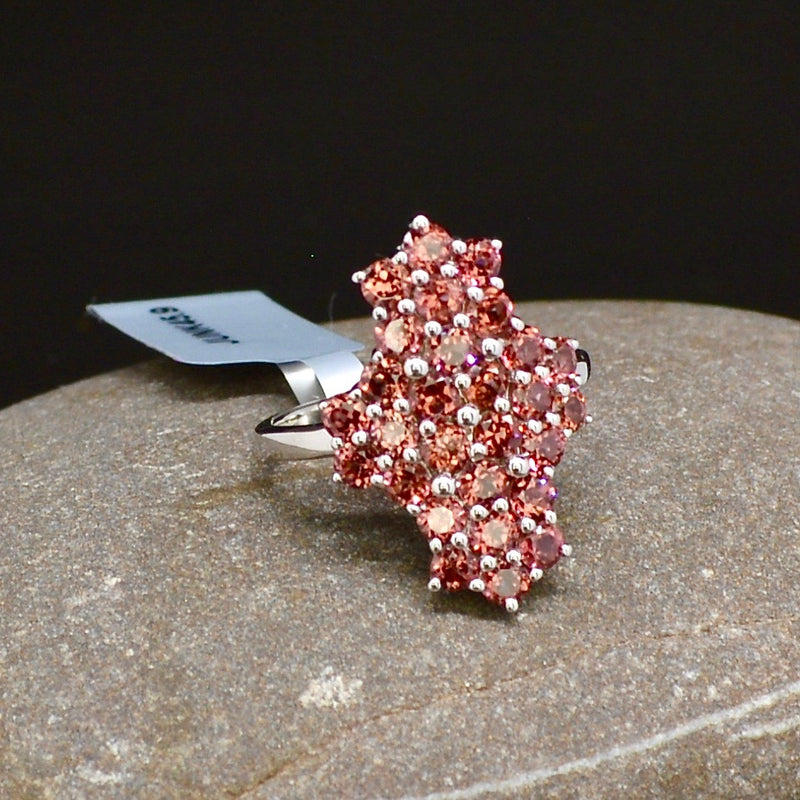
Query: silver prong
[
  {"x": 415, "y": 367},
  {"x": 478, "y": 450},
  {"x": 459, "y": 540},
  {"x": 492, "y": 348},
  {"x": 413, "y": 509},
  {"x": 527, "y": 525},
  {"x": 434, "y": 585},
  {"x": 411, "y": 455},
  {"x": 458, "y": 246},
  {"x": 448, "y": 270},
  {"x": 475, "y": 293},
  {"x": 512, "y": 605},
  {"x": 420, "y": 224},
  {"x": 400, "y": 257},
  {"x": 514, "y": 557},
  {"x": 549, "y": 343},
  {"x": 359, "y": 438},
  {"x": 406, "y": 306},
  {"x": 500, "y": 506},
  {"x": 461, "y": 321},
  {"x": 401, "y": 405},
  {"x": 535, "y": 426},
  {"x": 377, "y": 480},
  {"x": 488, "y": 563},
  {"x": 427, "y": 427},
  {"x": 379, "y": 314},
  {"x": 435, "y": 545},
  {"x": 566, "y": 550},
  {"x": 433, "y": 328},
  {"x": 517, "y": 324},
  {"x": 478, "y": 512},
  {"x": 550, "y": 517},
  {"x": 536, "y": 574},
  {"x": 374, "y": 411},
  {"x": 477, "y": 585},
  {"x": 419, "y": 277},
  {"x": 359, "y": 276}
]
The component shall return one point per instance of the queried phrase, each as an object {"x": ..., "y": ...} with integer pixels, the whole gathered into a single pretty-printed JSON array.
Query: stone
[{"x": 187, "y": 615}]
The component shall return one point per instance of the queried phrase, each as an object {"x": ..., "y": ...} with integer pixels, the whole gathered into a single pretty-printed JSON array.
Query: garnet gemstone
[{"x": 476, "y": 453}]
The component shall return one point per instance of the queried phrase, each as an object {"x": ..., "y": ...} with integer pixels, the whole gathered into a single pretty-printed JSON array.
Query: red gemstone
[
  {"x": 493, "y": 312},
  {"x": 543, "y": 549},
  {"x": 354, "y": 465},
  {"x": 481, "y": 261},
  {"x": 430, "y": 249},
  {"x": 447, "y": 450},
  {"x": 534, "y": 399},
  {"x": 455, "y": 569},
  {"x": 341, "y": 416},
  {"x": 440, "y": 299},
  {"x": 487, "y": 386},
  {"x": 436, "y": 399},
  {"x": 400, "y": 335},
  {"x": 381, "y": 381},
  {"x": 384, "y": 281},
  {"x": 408, "y": 482}
]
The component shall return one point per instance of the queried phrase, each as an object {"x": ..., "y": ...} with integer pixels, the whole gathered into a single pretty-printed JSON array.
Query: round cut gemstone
[
  {"x": 398, "y": 336},
  {"x": 493, "y": 312},
  {"x": 548, "y": 445},
  {"x": 384, "y": 281},
  {"x": 487, "y": 386},
  {"x": 495, "y": 533},
  {"x": 453, "y": 349},
  {"x": 354, "y": 465},
  {"x": 441, "y": 299},
  {"x": 481, "y": 261},
  {"x": 535, "y": 398},
  {"x": 528, "y": 349},
  {"x": 455, "y": 569},
  {"x": 436, "y": 399},
  {"x": 447, "y": 450},
  {"x": 505, "y": 583},
  {"x": 392, "y": 433},
  {"x": 484, "y": 482},
  {"x": 538, "y": 494},
  {"x": 341, "y": 416},
  {"x": 442, "y": 519},
  {"x": 431, "y": 249},
  {"x": 543, "y": 549},
  {"x": 408, "y": 482},
  {"x": 574, "y": 410},
  {"x": 564, "y": 360}
]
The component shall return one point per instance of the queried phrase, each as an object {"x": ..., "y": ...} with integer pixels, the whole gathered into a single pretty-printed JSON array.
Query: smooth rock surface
[{"x": 185, "y": 615}]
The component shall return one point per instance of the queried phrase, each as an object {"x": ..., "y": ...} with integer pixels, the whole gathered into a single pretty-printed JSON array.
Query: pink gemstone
[
  {"x": 494, "y": 533},
  {"x": 392, "y": 434},
  {"x": 537, "y": 397},
  {"x": 384, "y": 281},
  {"x": 528, "y": 348},
  {"x": 538, "y": 494},
  {"x": 543, "y": 549},
  {"x": 401, "y": 335},
  {"x": 443, "y": 519},
  {"x": 452, "y": 351},
  {"x": 575, "y": 410},
  {"x": 504, "y": 583},
  {"x": 484, "y": 482},
  {"x": 564, "y": 360},
  {"x": 548, "y": 445}
]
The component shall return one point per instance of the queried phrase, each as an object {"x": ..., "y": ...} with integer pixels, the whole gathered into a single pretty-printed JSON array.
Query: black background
[{"x": 646, "y": 151}]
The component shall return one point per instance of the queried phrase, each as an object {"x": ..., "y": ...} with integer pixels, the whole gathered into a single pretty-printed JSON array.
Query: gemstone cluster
[{"x": 462, "y": 414}]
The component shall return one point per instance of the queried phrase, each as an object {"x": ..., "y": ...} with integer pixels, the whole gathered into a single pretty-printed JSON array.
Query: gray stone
[{"x": 185, "y": 615}]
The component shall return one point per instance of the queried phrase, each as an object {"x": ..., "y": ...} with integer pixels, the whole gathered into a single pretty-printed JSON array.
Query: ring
[{"x": 461, "y": 415}]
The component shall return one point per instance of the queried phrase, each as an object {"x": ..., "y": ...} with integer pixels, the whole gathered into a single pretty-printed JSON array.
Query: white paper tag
[{"x": 236, "y": 328}]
